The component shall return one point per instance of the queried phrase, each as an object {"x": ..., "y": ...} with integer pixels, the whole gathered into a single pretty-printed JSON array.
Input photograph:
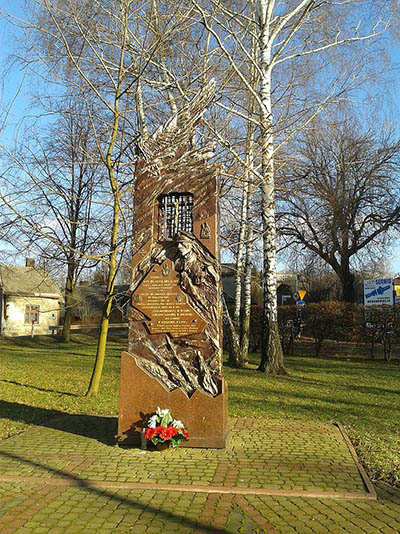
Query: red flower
[
  {"x": 162, "y": 431},
  {"x": 149, "y": 433},
  {"x": 172, "y": 431}
]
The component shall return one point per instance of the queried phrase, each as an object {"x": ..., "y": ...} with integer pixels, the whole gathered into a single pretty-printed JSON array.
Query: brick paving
[{"x": 69, "y": 477}]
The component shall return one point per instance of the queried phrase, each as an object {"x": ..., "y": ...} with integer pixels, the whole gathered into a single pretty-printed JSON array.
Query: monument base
[{"x": 205, "y": 417}]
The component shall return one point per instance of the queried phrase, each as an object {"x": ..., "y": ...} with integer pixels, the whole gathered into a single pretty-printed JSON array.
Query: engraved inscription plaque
[{"x": 164, "y": 303}]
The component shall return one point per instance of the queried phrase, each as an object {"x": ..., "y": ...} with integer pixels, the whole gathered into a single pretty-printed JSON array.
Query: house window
[
  {"x": 32, "y": 314},
  {"x": 175, "y": 214}
]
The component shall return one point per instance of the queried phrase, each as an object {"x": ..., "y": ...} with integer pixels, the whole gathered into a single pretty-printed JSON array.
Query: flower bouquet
[{"x": 163, "y": 429}]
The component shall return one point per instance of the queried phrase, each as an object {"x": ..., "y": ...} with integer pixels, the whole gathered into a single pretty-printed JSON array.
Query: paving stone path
[{"x": 67, "y": 476}]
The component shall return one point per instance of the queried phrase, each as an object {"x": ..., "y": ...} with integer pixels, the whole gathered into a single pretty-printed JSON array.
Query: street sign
[
  {"x": 396, "y": 288},
  {"x": 302, "y": 293},
  {"x": 378, "y": 292},
  {"x": 300, "y": 303}
]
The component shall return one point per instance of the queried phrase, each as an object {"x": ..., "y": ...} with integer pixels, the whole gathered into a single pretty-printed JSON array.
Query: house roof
[
  {"x": 27, "y": 281},
  {"x": 228, "y": 269},
  {"x": 94, "y": 295}
]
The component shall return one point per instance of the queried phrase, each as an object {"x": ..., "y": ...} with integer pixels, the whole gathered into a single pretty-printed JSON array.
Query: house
[
  {"x": 286, "y": 284},
  {"x": 286, "y": 288},
  {"x": 30, "y": 300},
  {"x": 228, "y": 281},
  {"x": 89, "y": 302}
]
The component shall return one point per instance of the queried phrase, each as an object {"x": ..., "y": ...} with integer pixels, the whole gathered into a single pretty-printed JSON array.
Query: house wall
[{"x": 13, "y": 316}]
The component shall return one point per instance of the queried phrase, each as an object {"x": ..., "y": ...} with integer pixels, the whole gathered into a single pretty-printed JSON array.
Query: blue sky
[
  {"x": 13, "y": 77},
  {"x": 21, "y": 107}
]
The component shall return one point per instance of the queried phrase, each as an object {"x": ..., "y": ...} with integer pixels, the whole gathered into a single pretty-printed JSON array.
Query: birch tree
[
  {"x": 108, "y": 52},
  {"x": 240, "y": 325},
  {"x": 288, "y": 34}
]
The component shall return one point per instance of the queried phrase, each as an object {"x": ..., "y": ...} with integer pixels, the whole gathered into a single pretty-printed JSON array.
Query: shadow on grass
[
  {"x": 54, "y": 342},
  {"x": 115, "y": 498},
  {"x": 322, "y": 398},
  {"x": 340, "y": 363},
  {"x": 38, "y": 342},
  {"x": 40, "y": 389},
  {"x": 96, "y": 427},
  {"x": 368, "y": 390},
  {"x": 315, "y": 408}
]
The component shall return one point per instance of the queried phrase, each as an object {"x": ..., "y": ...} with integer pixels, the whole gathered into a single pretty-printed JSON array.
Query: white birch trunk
[
  {"x": 239, "y": 257},
  {"x": 249, "y": 166},
  {"x": 245, "y": 322},
  {"x": 233, "y": 339},
  {"x": 271, "y": 350},
  {"x": 234, "y": 325}
]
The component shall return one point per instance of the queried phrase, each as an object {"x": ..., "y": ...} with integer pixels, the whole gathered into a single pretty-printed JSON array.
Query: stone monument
[{"x": 174, "y": 357}]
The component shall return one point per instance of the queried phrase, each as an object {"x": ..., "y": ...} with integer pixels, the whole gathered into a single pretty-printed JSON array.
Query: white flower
[
  {"x": 161, "y": 413},
  {"x": 153, "y": 421},
  {"x": 177, "y": 424}
]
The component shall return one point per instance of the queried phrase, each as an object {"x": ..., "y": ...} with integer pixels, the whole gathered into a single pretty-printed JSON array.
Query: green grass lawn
[{"x": 40, "y": 378}]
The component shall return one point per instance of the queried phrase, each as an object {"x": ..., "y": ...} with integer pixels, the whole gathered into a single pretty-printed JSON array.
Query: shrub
[
  {"x": 378, "y": 324},
  {"x": 329, "y": 320},
  {"x": 290, "y": 325}
]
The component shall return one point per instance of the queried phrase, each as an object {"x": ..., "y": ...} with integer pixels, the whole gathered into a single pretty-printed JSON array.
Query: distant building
[
  {"x": 89, "y": 302},
  {"x": 286, "y": 288},
  {"x": 28, "y": 296},
  {"x": 286, "y": 284},
  {"x": 228, "y": 281}
]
